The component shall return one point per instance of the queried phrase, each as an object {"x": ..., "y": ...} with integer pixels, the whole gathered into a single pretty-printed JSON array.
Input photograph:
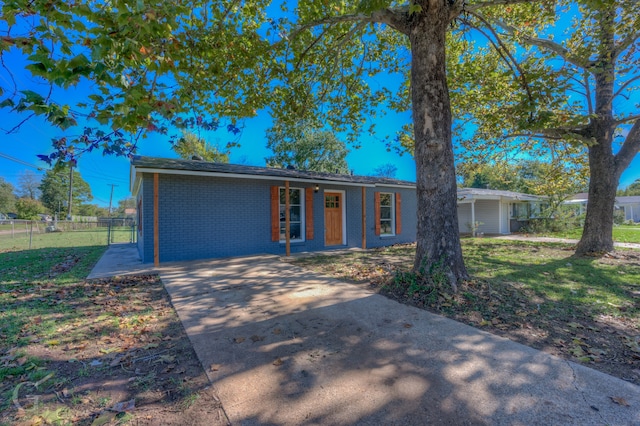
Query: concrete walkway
[
  {"x": 120, "y": 259},
  {"x": 520, "y": 237},
  {"x": 286, "y": 346}
]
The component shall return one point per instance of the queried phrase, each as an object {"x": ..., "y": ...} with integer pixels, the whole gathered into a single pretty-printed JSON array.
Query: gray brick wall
[{"x": 206, "y": 217}]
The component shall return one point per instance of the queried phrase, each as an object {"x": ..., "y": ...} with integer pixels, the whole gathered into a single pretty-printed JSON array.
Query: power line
[{"x": 17, "y": 160}]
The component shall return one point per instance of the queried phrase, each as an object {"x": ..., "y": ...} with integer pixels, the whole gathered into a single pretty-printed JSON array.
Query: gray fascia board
[{"x": 246, "y": 176}]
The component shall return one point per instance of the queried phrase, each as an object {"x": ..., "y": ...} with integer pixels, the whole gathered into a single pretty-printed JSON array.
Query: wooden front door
[{"x": 332, "y": 218}]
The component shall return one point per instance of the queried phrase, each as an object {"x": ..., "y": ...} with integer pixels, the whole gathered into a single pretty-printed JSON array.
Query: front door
[{"x": 332, "y": 218}]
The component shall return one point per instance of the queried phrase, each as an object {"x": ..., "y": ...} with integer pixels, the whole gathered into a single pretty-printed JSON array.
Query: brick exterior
[{"x": 207, "y": 217}]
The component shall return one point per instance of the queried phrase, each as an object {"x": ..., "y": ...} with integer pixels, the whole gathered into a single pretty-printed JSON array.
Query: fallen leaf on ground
[
  {"x": 124, "y": 406},
  {"x": 215, "y": 367},
  {"x": 620, "y": 401},
  {"x": 278, "y": 362},
  {"x": 238, "y": 340}
]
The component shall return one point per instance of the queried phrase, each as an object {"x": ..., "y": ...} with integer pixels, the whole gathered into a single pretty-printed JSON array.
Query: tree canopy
[
  {"x": 190, "y": 145},
  {"x": 387, "y": 170},
  {"x": 632, "y": 189},
  {"x": 549, "y": 91},
  {"x": 7, "y": 197},
  {"x": 158, "y": 64},
  {"x": 29, "y": 185},
  {"x": 307, "y": 149},
  {"x": 55, "y": 190}
]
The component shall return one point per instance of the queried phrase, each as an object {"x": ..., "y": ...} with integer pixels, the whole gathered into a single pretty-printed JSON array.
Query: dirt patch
[
  {"x": 126, "y": 359},
  {"x": 572, "y": 328}
]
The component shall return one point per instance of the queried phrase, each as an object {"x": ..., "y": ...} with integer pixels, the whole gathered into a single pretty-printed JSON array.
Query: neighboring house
[
  {"x": 629, "y": 204},
  {"x": 189, "y": 209},
  {"x": 496, "y": 212}
]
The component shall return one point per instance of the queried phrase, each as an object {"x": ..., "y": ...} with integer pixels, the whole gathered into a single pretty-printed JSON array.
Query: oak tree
[{"x": 572, "y": 89}]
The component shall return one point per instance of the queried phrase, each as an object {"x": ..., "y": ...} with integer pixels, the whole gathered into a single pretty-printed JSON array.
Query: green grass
[
  {"x": 621, "y": 234},
  {"x": 28, "y": 279},
  {"x": 77, "y": 238},
  {"x": 547, "y": 270},
  {"x": 554, "y": 273}
]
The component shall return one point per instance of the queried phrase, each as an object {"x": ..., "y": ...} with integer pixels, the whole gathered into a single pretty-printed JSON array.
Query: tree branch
[
  {"x": 624, "y": 43},
  {"x": 396, "y": 18},
  {"x": 482, "y": 4},
  {"x": 629, "y": 149},
  {"x": 554, "y": 134},
  {"x": 627, "y": 119},
  {"x": 549, "y": 45},
  {"x": 502, "y": 48},
  {"x": 625, "y": 85}
]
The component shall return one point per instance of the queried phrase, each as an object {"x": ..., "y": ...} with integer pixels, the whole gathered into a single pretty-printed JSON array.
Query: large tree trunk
[
  {"x": 597, "y": 235},
  {"x": 438, "y": 238}
]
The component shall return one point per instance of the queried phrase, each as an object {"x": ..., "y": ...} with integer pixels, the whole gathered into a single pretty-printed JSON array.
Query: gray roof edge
[{"x": 144, "y": 162}]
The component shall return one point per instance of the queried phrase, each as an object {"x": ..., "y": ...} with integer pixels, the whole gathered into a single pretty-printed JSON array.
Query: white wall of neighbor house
[
  {"x": 464, "y": 218},
  {"x": 632, "y": 212},
  {"x": 505, "y": 213},
  {"x": 491, "y": 215},
  {"x": 488, "y": 213}
]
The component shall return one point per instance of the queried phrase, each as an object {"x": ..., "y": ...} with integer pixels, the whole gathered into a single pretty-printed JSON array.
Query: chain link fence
[{"x": 32, "y": 234}]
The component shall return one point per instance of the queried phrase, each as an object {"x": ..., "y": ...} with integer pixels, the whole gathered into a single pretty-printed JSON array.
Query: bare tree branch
[
  {"x": 554, "y": 134},
  {"x": 629, "y": 148},
  {"x": 627, "y": 119},
  {"x": 625, "y": 85},
  {"x": 622, "y": 45},
  {"x": 550, "y": 45}
]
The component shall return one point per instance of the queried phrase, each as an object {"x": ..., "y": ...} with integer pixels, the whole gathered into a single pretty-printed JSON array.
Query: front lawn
[
  {"x": 621, "y": 234},
  {"x": 583, "y": 309},
  {"x": 98, "y": 352}
]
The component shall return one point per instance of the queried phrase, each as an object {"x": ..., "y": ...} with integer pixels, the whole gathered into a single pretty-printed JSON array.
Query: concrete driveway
[{"x": 286, "y": 346}]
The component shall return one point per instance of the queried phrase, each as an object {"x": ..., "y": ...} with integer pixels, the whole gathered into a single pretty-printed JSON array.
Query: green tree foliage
[
  {"x": 157, "y": 64},
  {"x": 29, "y": 209},
  {"x": 387, "y": 170},
  {"x": 91, "y": 210},
  {"x": 7, "y": 197},
  {"x": 307, "y": 149},
  {"x": 55, "y": 190},
  {"x": 555, "y": 180},
  {"x": 632, "y": 189},
  {"x": 548, "y": 91},
  {"x": 190, "y": 145}
]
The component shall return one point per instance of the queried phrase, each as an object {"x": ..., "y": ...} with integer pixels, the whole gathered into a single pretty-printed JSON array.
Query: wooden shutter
[
  {"x": 308, "y": 213},
  {"x": 398, "y": 213},
  {"x": 275, "y": 213},
  {"x": 376, "y": 211}
]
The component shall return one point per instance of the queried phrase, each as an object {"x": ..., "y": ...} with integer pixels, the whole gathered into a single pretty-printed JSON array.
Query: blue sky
[{"x": 34, "y": 137}]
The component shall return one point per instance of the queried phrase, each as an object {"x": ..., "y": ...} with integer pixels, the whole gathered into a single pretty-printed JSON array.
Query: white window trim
[
  {"x": 393, "y": 215},
  {"x": 303, "y": 235}
]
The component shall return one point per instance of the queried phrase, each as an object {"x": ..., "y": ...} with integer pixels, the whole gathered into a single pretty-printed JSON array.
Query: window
[
  {"x": 296, "y": 217},
  {"x": 387, "y": 214},
  {"x": 520, "y": 211}
]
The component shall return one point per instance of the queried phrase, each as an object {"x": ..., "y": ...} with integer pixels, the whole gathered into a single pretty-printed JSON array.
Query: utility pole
[
  {"x": 70, "y": 190},
  {"x": 111, "y": 197}
]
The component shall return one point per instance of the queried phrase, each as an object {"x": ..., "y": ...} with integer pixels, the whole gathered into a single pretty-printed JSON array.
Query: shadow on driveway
[{"x": 283, "y": 345}]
